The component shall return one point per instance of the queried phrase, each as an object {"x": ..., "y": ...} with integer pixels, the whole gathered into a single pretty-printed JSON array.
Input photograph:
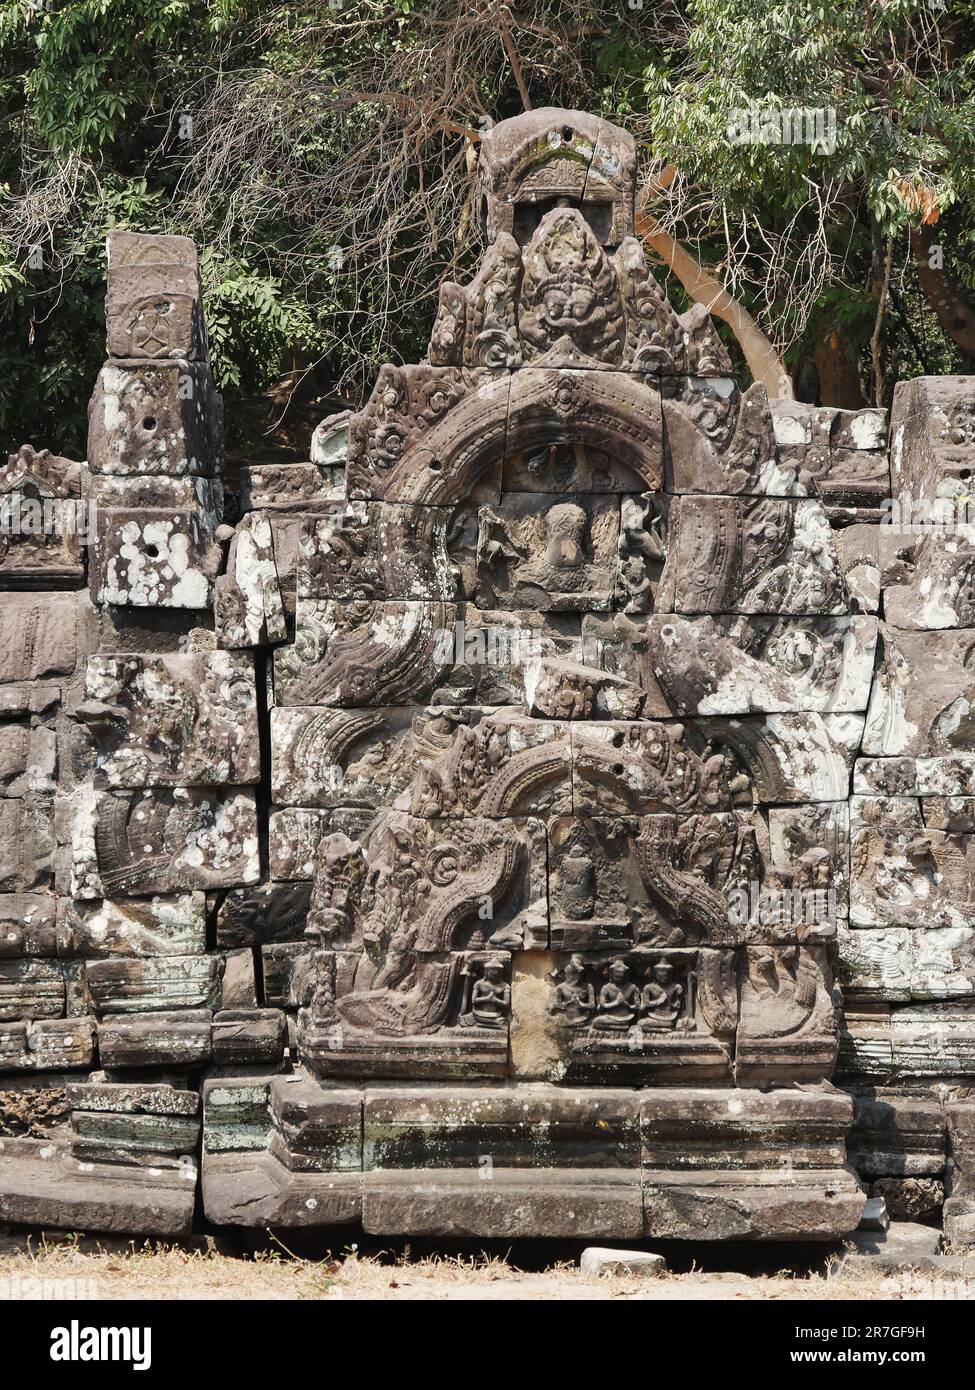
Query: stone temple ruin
[{"x": 470, "y": 831}]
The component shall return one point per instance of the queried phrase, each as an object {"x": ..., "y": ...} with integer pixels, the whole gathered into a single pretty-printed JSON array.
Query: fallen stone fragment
[
  {"x": 633, "y": 1264},
  {"x": 875, "y": 1216}
]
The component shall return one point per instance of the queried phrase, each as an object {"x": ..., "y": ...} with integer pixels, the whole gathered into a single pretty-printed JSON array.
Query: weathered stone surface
[
  {"x": 28, "y": 925},
  {"x": 897, "y": 1135},
  {"x": 159, "y": 418},
  {"x": 151, "y": 559},
  {"x": 572, "y": 1203},
  {"x": 810, "y": 1205},
  {"x": 504, "y": 765},
  {"x": 933, "y": 583},
  {"x": 291, "y": 486},
  {"x": 788, "y": 1020},
  {"x": 47, "y": 1043},
  {"x": 173, "y": 720},
  {"x": 44, "y": 523},
  {"x": 56, "y": 1191},
  {"x": 358, "y": 758},
  {"x": 645, "y": 1015},
  {"x": 294, "y": 835},
  {"x": 31, "y": 989},
  {"x": 124, "y": 986},
  {"x": 247, "y": 601},
  {"x": 236, "y": 1114},
  {"x": 418, "y": 803},
  {"x": 255, "y": 1189},
  {"x": 172, "y": 1038},
  {"x": 316, "y": 1130},
  {"x": 727, "y": 555},
  {"x": 37, "y": 636},
  {"x": 267, "y": 912},
  {"x": 523, "y": 1127},
  {"x": 932, "y": 432},
  {"x": 248, "y": 1037},
  {"x": 730, "y": 665},
  {"x": 376, "y": 550},
  {"x": 428, "y": 435},
  {"x": 539, "y": 551},
  {"x": 903, "y": 873},
  {"x": 621, "y": 1264},
  {"x": 910, "y": 1199},
  {"x": 840, "y": 454},
  {"x": 160, "y": 926},
  {"x": 364, "y": 654},
  {"x": 922, "y": 696},
  {"x": 153, "y": 305},
  {"x": 906, "y": 1245},
  {"x": 138, "y": 843}
]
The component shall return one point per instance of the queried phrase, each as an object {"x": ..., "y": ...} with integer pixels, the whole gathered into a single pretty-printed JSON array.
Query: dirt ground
[{"x": 67, "y": 1267}]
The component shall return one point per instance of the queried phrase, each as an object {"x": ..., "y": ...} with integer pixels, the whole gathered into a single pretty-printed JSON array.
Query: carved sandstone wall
[{"x": 474, "y": 835}]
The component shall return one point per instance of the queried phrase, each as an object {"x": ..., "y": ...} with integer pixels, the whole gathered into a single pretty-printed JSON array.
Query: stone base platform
[
  {"x": 512, "y": 1161},
  {"x": 42, "y": 1184},
  {"x": 522, "y": 1161}
]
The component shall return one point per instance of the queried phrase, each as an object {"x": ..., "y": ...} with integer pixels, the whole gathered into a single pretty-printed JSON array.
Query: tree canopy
[{"x": 815, "y": 159}]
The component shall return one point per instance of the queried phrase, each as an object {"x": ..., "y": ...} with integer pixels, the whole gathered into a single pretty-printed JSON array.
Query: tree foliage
[{"x": 323, "y": 155}]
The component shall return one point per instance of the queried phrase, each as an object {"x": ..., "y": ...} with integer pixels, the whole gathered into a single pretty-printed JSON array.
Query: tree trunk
[
  {"x": 947, "y": 297},
  {"x": 763, "y": 361},
  {"x": 839, "y": 381}
]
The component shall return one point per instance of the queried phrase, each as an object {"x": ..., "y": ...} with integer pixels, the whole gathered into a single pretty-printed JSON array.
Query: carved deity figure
[
  {"x": 490, "y": 998},
  {"x": 578, "y": 883},
  {"x": 619, "y": 999},
  {"x": 574, "y": 997},
  {"x": 662, "y": 998}
]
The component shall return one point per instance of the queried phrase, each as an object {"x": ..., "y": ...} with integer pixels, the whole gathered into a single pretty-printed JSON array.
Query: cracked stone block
[
  {"x": 247, "y": 599},
  {"x": 921, "y": 701}
]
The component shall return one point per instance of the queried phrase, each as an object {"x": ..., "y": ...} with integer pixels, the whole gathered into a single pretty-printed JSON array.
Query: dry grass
[{"x": 71, "y": 1267}]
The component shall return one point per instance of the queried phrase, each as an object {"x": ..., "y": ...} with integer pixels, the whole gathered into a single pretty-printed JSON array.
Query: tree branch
[
  {"x": 763, "y": 361},
  {"x": 515, "y": 62}
]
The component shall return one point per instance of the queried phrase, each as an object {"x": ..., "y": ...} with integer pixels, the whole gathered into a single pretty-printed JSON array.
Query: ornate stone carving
[
  {"x": 173, "y": 720},
  {"x": 507, "y": 740}
]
